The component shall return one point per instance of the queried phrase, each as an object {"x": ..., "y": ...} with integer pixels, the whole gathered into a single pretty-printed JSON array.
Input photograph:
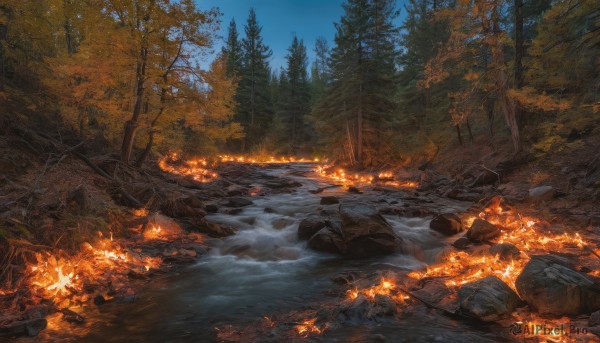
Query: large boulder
[
  {"x": 447, "y": 224},
  {"x": 309, "y": 226},
  {"x": 362, "y": 232},
  {"x": 327, "y": 240},
  {"x": 482, "y": 230},
  {"x": 488, "y": 299},
  {"x": 551, "y": 286}
]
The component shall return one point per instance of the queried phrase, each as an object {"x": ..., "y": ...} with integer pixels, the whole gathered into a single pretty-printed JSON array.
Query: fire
[
  {"x": 340, "y": 175},
  {"x": 196, "y": 169},
  {"x": 460, "y": 268},
  {"x": 265, "y": 159},
  {"x": 308, "y": 327},
  {"x": 156, "y": 232},
  {"x": 386, "y": 287},
  {"x": 63, "y": 277},
  {"x": 523, "y": 232}
]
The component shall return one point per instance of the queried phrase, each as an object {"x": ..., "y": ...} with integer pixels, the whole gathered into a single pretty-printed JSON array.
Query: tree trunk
[
  {"x": 132, "y": 124},
  {"x": 458, "y": 134},
  {"x": 68, "y": 30},
  {"x": 506, "y": 103},
  {"x": 519, "y": 52},
  {"x": 469, "y": 129}
]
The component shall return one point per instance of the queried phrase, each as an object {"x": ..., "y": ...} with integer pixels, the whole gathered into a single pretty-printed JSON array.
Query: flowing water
[{"x": 265, "y": 269}]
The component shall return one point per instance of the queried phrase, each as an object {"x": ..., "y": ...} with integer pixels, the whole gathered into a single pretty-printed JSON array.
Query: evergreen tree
[
  {"x": 358, "y": 108},
  {"x": 232, "y": 50},
  {"x": 254, "y": 98},
  {"x": 320, "y": 76},
  {"x": 295, "y": 95}
]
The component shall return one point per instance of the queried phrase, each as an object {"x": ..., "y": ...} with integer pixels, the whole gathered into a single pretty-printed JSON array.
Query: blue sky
[{"x": 281, "y": 19}]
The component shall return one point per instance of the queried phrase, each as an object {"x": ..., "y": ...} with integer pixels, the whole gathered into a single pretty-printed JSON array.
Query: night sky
[{"x": 281, "y": 19}]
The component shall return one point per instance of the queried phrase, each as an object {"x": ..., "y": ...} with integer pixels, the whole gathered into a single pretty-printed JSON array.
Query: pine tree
[
  {"x": 232, "y": 50},
  {"x": 295, "y": 94},
  {"x": 358, "y": 108},
  {"x": 255, "y": 105},
  {"x": 320, "y": 75}
]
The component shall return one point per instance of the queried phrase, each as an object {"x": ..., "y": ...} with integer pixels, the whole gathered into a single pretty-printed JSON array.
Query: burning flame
[
  {"x": 196, "y": 169},
  {"x": 340, "y": 175},
  {"x": 386, "y": 287},
  {"x": 63, "y": 278},
  {"x": 523, "y": 232},
  {"x": 308, "y": 327}
]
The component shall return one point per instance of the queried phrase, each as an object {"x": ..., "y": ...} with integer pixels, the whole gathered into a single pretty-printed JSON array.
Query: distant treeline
[{"x": 126, "y": 71}]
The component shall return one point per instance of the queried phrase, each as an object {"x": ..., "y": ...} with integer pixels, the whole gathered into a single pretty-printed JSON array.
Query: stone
[
  {"x": 488, "y": 299},
  {"x": 482, "y": 230},
  {"x": 72, "y": 316},
  {"x": 281, "y": 223},
  {"x": 447, "y": 224},
  {"x": 505, "y": 251},
  {"x": 238, "y": 202},
  {"x": 329, "y": 200},
  {"x": 30, "y": 327},
  {"x": 354, "y": 190},
  {"x": 360, "y": 232},
  {"x": 211, "y": 208},
  {"x": 486, "y": 177},
  {"x": 217, "y": 230},
  {"x": 594, "y": 319},
  {"x": 309, "y": 226},
  {"x": 327, "y": 240},
  {"x": 461, "y": 243},
  {"x": 366, "y": 232},
  {"x": 550, "y": 285},
  {"x": 541, "y": 194}
]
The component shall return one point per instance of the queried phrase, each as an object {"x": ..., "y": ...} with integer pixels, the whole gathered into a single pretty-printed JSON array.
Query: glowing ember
[
  {"x": 265, "y": 159},
  {"x": 385, "y": 287},
  {"x": 340, "y": 175},
  {"x": 140, "y": 212},
  {"x": 308, "y": 327},
  {"x": 63, "y": 278},
  {"x": 459, "y": 267},
  {"x": 54, "y": 277},
  {"x": 155, "y": 232},
  {"x": 193, "y": 168}
]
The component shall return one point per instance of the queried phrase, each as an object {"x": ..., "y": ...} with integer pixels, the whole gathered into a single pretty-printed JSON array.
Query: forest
[{"x": 413, "y": 179}]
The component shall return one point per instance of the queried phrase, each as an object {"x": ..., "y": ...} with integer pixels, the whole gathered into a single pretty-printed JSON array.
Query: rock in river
[
  {"x": 482, "y": 230},
  {"x": 447, "y": 224},
  {"x": 239, "y": 202},
  {"x": 363, "y": 232},
  {"x": 309, "y": 226},
  {"x": 551, "y": 286},
  {"x": 329, "y": 200},
  {"x": 488, "y": 299}
]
